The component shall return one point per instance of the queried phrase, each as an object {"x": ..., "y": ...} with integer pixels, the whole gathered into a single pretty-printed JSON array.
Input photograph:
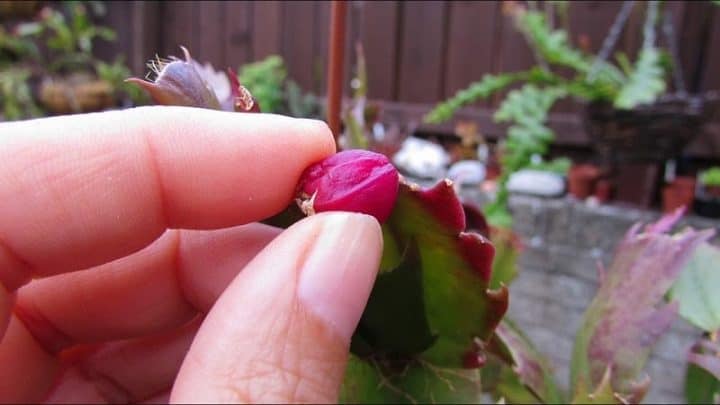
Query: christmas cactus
[
  {"x": 431, "y": 314},
  {"x": 433, "y": 328}
]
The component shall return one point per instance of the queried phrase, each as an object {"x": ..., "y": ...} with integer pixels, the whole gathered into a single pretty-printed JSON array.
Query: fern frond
[{"x": 645, "y": 83}]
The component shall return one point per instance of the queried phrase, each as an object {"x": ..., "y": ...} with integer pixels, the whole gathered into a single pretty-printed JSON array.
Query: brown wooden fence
[{"x": 418, "y": 52}]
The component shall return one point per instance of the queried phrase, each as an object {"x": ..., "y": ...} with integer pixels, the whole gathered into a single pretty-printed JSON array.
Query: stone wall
[{"x": 564, "y": 240}]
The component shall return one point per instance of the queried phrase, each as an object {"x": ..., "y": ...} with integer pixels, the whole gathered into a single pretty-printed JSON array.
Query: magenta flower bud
[{"x": 352, "y": 180}]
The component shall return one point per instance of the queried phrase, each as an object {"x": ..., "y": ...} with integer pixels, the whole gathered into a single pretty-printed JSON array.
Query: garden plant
[
  {"x": 564, "y": 70},
  {"x": 434, "y": 328},
  {"x": 47, "y": 64}
]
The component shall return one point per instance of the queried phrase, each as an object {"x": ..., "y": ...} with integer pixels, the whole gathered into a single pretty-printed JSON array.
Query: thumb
[{"x": 281, "y": 331}]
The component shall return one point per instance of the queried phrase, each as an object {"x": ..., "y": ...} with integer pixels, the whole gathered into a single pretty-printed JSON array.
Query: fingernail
[{"x": 340, "y": 269}]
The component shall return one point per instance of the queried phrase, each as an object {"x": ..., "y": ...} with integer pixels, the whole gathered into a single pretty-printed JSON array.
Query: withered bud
[{"x": 177, "y": 82}]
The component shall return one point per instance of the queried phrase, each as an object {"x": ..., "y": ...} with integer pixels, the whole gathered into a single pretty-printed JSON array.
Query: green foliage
[
  {"x": 559, "y": 166},
  {"x": 115, "y": 73},
  {"x": 526, "y": 109},
  {"x": 16, "y": 96},
  {"x": 71, "y": 38},
  {"x": 265, "y": 80},
  {"x": 645, "y": 83},
  {"x": 430, "y": 308},
  {"x": 275, "y": 93},
  {"x": 696, "y": 289},
  {"x": 551, "y": 45},
  {"x": 522, "y": 374},
  {"x": 710, "y": 177},
  {"x": 593, "y": 80},
  {"x": 484, "y": 88},
  {"x": 701, "y": 387},
  {"x": 19, "y": 45}
]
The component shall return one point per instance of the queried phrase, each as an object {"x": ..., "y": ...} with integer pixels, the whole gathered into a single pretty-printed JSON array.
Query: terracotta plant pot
[
  {"x": 581, "y": 180},
  {"x": 713, "y": 191},
  {"x": 603, "y": 190},
  {"x": 77, "y": 93},
  {"x": 681, "y": 192}
]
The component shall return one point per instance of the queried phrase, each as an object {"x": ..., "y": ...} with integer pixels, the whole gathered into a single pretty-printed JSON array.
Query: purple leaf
[{"x": 627, "y": 315}]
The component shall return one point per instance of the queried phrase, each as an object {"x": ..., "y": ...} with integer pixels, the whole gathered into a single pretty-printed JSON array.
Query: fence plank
[
  {"x": 321, "y": 41},
  {"x": 117, "y": 16},
  {"x": 299, "y": 17},
  {"x": 692, "y": 41},
  {"x": 237, "y": 34},
  {"x": 379, "y": 39},
  {"x": 710, "y": 76},
  {"x": 209, "y": 39},
  {"x": 145, "y": 38},
  {"x": 421, "y": 51},
  {"x": 470, "y": 44},
  {"x": 267, "y": 23},
  {"x": 179, "y": 27}
]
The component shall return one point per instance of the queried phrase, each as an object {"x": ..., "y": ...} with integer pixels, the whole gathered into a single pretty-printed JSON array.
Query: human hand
[{"x": 160, "y": 313}]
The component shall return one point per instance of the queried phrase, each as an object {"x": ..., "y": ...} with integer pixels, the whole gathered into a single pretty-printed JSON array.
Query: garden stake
[{"x": 335, "y": 65}]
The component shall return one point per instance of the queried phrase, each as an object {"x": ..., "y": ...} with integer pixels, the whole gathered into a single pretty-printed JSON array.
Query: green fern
[
  {"x": 526, "y": 109},
  {"x": 552, "y": 45},
  {"x": 484, "y": 88},
  {"x": 645, "y": 83}
]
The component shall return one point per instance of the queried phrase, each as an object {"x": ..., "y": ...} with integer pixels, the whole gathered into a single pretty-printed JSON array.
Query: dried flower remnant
[
  {"x": 177, "y": 82},
  {"x": 242, "y": 100}
]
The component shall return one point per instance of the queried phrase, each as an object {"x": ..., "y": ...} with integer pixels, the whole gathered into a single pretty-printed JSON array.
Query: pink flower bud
[{"x": 353, "y": 180}]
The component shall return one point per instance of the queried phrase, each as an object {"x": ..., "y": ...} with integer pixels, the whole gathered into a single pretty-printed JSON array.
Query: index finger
[{"x": 78, "y": 191}]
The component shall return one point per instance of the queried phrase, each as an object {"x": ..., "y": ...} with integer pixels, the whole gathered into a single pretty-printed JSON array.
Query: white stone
[
  {"x": 421, "y": 158},
  {"x": 467, "y": 172},
  {"x": 536, "y": 182}
]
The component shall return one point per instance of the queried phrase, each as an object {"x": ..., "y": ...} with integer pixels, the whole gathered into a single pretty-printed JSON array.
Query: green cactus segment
[
  {"x": 372, "y": 381},
  {"x": 529, "y": 367},
  {"x": 442, "y": 276},
  {"x": 627, "y": 316},
  {"x": 430, "y": 315}
]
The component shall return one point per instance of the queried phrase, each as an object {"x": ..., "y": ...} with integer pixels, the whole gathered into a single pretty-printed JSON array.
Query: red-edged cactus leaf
[
  {"x": 529, "y": 367},
  {"x": 627, "y": 315},
  {"x": 430, "y": 314},
  {"x": 696, "y": 289},
  {"x": 453, "y": 269},
  {"x": 371, "y": 381},
  {"x": 178, "y": 82}
]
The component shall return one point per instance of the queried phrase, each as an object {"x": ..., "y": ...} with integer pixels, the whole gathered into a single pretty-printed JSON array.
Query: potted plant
[
  {"x": 582, "y": 179},
  {"x": 71, "y": 84},
  {"x": 707, "y": 195},
  {"x": 678, "y": 193},
  {"x": 616, "y": 94},
  {"x": 53, "y": 55}
]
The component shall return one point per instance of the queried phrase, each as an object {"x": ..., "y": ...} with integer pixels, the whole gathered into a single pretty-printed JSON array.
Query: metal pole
[{"x": 335, "y": 64}]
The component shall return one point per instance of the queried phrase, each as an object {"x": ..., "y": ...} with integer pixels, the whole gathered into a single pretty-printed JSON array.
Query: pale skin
[{"x": 132, "y": 268}]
